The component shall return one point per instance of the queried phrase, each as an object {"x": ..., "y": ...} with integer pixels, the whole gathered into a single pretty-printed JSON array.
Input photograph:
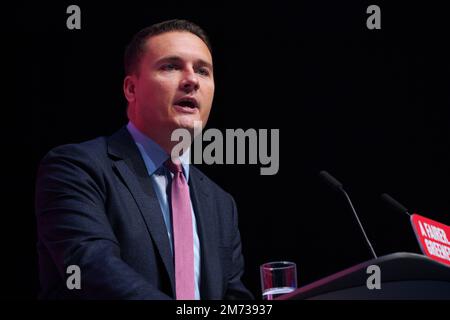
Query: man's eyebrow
[
  {"x": 200, "y": 62},
  {"x": 205, "y": 63}
]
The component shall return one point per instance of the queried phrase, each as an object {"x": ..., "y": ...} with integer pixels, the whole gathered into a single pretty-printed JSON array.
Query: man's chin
[{"x": 190, "y": 123}]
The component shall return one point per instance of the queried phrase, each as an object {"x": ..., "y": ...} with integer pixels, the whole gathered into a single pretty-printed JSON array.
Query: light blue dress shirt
[{"x": 154, "y": 157}]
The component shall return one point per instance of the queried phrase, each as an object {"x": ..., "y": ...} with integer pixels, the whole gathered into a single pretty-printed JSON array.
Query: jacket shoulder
[{"x": 95, "y": 147}]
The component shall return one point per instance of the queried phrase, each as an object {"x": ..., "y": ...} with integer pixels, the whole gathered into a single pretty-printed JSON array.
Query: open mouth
[{"x": 190, "y": 103}]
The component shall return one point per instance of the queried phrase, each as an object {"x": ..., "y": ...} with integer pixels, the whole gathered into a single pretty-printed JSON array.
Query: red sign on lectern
[{"x": 433, "y": 238}]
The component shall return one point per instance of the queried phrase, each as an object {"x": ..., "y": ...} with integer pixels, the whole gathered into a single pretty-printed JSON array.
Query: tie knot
[{"x": 173, "y": 167}]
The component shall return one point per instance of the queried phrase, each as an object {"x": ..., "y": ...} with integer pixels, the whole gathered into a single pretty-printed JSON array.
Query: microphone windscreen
[
  {"x": 394, "y": 203},
  {"x": 330, "y": 180}
]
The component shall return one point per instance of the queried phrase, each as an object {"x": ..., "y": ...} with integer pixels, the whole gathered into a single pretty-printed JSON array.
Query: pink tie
[{"x": 183, "y": 238}]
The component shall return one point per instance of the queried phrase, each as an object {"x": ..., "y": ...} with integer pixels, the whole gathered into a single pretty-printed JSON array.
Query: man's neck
[{"x": 163, "y": 139}]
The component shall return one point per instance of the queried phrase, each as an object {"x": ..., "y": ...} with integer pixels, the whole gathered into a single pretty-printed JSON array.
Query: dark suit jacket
[{"x": 96, "y": 208}]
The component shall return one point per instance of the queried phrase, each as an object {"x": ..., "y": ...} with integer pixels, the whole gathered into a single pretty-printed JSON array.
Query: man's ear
[{"x": 129, "y": 88}]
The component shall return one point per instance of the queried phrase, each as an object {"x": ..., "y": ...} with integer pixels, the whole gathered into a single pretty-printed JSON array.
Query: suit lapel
[
  {"x": 131, "y": 169},
  {"x": 211, "y": 286}
]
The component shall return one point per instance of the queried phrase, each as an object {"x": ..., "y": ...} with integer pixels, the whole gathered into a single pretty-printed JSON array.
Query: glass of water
[{"x": 278, "y": 278}]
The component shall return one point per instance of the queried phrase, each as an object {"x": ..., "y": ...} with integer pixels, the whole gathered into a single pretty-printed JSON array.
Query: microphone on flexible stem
[
  {"x": 394, "y": 204},
  {"x": 335, "y": 184}
]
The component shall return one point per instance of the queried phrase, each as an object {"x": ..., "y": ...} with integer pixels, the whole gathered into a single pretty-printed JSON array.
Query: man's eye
[
  {"x": 203, "y": 71},
  {"x": 168, "y": 67}
]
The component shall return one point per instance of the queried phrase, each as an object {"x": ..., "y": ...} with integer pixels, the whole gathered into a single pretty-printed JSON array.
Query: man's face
[{"x": 175, "y": 84}]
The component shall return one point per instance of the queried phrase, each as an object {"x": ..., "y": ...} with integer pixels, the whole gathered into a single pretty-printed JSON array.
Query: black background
[{"x": 370, "y": 106}]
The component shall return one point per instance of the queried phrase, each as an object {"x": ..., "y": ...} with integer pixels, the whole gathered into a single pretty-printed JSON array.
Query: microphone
[
  {"x": 335, "y": 184},
  {"x": 331, "y": 181},
  {"x": 397, "y": 206}
]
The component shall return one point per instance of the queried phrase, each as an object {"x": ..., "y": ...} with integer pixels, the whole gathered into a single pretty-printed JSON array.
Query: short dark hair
[{"x": 135, "y": 48}]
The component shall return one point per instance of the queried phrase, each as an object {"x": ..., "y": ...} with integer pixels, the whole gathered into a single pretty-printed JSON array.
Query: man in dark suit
[{"x": 111, "y": 206}]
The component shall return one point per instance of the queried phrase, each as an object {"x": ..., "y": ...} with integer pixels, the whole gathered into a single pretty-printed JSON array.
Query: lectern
[{"x": 403, "y": 276}]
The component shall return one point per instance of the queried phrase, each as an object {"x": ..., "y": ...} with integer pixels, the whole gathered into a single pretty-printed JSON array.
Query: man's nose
[{"x": 189, "y": 82}]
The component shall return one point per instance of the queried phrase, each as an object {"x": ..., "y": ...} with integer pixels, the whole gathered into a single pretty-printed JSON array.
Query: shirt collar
[{"x": 155, "y": 156}]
